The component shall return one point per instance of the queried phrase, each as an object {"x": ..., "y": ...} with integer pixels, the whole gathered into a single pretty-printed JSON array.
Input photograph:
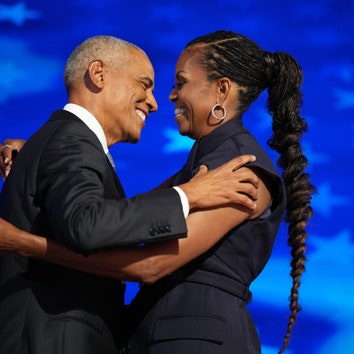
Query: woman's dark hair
[{"x": 232, "y": 55}]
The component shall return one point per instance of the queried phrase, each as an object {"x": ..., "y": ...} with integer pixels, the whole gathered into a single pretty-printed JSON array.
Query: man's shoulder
[
  {"x": 64, "y": 123},
  {"x": 62, "y": 118},
  {"x": 61, "y": 128}
]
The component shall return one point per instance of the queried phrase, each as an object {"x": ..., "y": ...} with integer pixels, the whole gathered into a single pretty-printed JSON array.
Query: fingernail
[
  {"x": 6, "y": 160},
  {"x": 7, "y": 173}
]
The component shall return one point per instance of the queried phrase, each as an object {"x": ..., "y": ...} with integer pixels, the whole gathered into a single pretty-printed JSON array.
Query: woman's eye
[{"x": 178, "y": 85}]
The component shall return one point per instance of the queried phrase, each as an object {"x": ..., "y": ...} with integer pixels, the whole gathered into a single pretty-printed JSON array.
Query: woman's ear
[{"x": 224, "y": 86}]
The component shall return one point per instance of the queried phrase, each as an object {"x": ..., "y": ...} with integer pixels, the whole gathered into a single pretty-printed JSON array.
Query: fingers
[
  {"x": 245, "y": 181},
  {"x": 245, "y": 200},
  {"x": 225, "y": 185},
  {"x": 16, "y": 144},
  {"x": 239, "y": 161},
  {"x": 8, "y": 150},
  {"x": 232, "y": 165},
  {"x": 236, "y": 164},
  {"x": 5, "y": 159},
  {"x": 247, "y": 175},
  {"x": 249, "y": 190}
]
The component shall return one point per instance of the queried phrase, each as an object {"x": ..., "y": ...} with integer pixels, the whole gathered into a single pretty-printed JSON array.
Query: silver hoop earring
[{"x": 218, "y": 106}]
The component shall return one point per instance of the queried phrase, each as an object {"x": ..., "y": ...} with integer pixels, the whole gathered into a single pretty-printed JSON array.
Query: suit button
[
  {"x": 125, "y": 349},
  {"x": 153, "y": 231},
  {"x": 161, "y": 229}
]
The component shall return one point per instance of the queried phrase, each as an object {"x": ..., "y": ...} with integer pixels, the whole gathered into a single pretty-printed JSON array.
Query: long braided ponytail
[
  {"x": 228, "y": 54},
  {"x": 284, "y": 101}
]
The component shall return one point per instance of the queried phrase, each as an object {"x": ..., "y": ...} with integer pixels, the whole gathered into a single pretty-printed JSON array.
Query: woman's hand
[
  {"x": 8, "y": 151},
  {"x": 14, "y": 240},
  {"x": 8, "y": 236}
]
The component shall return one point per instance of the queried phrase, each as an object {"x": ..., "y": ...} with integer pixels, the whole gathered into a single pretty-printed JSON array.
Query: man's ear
[{"x": 96, "y": 73}]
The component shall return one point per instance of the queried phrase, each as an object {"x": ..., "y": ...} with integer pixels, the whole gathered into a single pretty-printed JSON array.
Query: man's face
[{"x": 129, "y": 99}]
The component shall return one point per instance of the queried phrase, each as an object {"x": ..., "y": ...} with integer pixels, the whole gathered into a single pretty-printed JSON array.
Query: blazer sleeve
[{"x": 73, "y": 174}]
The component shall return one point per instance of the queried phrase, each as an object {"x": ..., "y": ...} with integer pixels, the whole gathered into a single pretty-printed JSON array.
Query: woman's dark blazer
[{"x": 201, "y": 308}]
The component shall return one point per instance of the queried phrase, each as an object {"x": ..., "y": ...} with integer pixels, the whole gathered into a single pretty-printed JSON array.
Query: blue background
[{"x": 36, "y": 37}]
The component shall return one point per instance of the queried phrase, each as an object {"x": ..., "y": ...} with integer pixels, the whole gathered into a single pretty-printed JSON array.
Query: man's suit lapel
[
  {"x": 62, "y": 114},
  {"x": 115, "y": 177}
]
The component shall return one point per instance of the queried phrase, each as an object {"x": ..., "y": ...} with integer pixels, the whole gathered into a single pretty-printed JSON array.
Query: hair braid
[
  {"x": 284, "y": 102},
  {"x": 232, "y": 55}
]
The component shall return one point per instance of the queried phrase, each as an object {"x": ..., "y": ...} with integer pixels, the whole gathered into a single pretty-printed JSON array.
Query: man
[{"x": 63, "y": 186}]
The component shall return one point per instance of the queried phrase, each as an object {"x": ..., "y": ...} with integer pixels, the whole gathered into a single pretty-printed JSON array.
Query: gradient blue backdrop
[{"x": 36, "y": 38}]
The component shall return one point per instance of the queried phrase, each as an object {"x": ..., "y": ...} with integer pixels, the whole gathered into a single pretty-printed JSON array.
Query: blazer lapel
[{"x": 187, "y": 171}]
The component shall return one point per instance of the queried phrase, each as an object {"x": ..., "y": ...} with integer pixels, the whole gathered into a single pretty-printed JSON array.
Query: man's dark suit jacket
[{"x": 62, "y": 186}]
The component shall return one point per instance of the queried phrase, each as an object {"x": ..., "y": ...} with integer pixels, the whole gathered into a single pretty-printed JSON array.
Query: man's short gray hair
[{"x": 113, "y": 51}]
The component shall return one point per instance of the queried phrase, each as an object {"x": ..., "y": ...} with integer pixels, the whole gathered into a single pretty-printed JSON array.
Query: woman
[{"x": 201, "y": 308}]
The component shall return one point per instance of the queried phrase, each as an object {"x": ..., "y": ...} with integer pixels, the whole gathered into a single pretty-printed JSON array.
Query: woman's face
[{"x": 193, "y": 96}]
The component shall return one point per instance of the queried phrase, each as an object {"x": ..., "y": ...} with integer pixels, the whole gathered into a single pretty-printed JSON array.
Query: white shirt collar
[{"x": 91, "y": 122}]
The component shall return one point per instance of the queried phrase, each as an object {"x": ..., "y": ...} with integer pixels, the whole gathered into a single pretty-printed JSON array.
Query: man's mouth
[{"x": 141, "y": 114}]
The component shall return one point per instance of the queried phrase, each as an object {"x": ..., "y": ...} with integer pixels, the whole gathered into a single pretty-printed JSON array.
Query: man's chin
[{"x": 133, "y": 140}]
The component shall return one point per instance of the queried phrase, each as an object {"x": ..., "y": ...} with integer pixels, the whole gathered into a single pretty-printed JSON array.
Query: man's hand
[
  {"x": 228, "y": 184},
  {"x": 8, "y": 151}
]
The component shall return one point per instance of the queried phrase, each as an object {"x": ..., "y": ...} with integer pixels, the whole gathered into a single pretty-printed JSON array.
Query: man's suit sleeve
[{"x": 73, "y": 182}]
